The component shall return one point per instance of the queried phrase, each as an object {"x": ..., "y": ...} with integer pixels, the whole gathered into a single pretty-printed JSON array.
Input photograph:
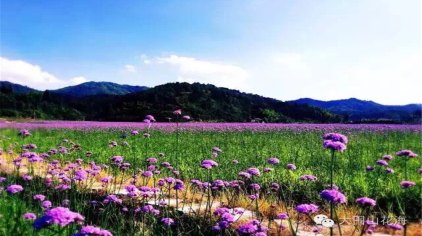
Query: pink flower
[
  {"x": 29, "y": 216},
  {"x": 14, "y": 188},
  {"x": 177, "y": 112}
]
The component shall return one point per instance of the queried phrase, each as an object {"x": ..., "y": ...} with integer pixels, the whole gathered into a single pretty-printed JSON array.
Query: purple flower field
[
  {"x": 253, "y": 179},
  {"x": 203, "y": 126}
]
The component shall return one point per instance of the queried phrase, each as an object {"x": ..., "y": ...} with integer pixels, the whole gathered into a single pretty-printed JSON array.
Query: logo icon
[
  {"x": 328, "y": 223},
  {"x": 324, "y": 221}
]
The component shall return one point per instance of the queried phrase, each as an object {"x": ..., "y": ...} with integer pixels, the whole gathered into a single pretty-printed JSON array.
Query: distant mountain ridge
[
  {"x": 358, "y": 110},
  {"x": 97, "y": 88},
  {"x": 115, "y": 102},
  {"x": 207, "y": 102},
  {"x": 16, "y": 88},
  {"x": 203, "y": 102}
]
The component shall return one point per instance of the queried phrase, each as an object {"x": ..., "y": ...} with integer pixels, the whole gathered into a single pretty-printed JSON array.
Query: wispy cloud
[
  {"x": 25, "y": 73},
  {"x": 190, "y": 69},
  {"x": 129, "y": 68},
  {"x": 389, "y": 78}
]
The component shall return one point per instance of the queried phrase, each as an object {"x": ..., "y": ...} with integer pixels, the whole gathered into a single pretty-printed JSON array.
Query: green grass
[{"x": 252, "y": 149}]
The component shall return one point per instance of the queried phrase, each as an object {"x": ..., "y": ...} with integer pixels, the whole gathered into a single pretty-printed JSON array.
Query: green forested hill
[{"x": 201, "y": 102}]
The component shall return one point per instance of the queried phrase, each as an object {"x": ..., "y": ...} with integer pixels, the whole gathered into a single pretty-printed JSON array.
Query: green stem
[
  {"x": 177, "y": 142},
  {"x": 338, "y": 223},
  {"x": 331, "y": 187}
]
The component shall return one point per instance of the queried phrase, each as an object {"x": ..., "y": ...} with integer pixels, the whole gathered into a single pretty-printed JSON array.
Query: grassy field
[{"x": 239, "y": 151}]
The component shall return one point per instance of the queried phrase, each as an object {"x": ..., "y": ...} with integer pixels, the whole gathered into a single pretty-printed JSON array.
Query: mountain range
[
  {"x": 99, "y": 88},
  {"x": 115, "y": 102},
  {"x": 360, "y": 110},
  {"x": 16, "y": 88}
]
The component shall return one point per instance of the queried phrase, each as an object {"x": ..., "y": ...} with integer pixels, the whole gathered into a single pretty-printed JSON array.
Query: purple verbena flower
[
  {"x": 382, "y": 163},
  {"x": 291, "y": 166},
  {"x": 267, "y": 170},
  {"x": 80, "y": 175},
  {"x": 29, "y": 216},
  {"x": 389, "y": 170},
  {"x": 282, "y": 216},
  {"x": 273, "y": 161},
  {"x": 255, "y": 187},
  {"x": 274, "y": 187},
  {"x": 366, "y": 201},
  {"x": 208, "y": 164},
  {"x": 150, "y": 118},
  {"x": 247, "y": 229},
  {"x": 245, "y": 175},
  {"x": 387, "y": 157},
  {"x": 179, "y": 185},
  {"x": 117, "y": 159},
  {"x": 91, "y": 230},
  {"x": 406, "y": 153},
  {"x": 221, "y": 210},
  {"x": 46, "y": 204},
  {"x": 167, "y": 221},
  {"x": 253, "y": 171},
  {"x": 407, "y": 184},
  {"x": 14, "y": 188},
  {"x": 307, "y": 208},
  {"x": 333, "y": 196},
  {"x": 369, "y": 168},
  {"x": 395, "y": 226},
  {"x": 24, "y": 133},
  {"x": 27, "y": 177},
  {"x": 39, "y": 197},
  {"x": 308, "y": 178},
  {"x": 60, "y": 216},
  {"x": 334, "y": 145},
  {"x": 152, "y": 160},
  {"x": 147, "y": 174},
  {"x": 336, "y": 137},
  {"x": 112, "y": 199}
]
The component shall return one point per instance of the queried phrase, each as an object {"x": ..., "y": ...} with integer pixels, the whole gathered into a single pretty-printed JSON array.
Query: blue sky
[{"x": 327, "y": 49}]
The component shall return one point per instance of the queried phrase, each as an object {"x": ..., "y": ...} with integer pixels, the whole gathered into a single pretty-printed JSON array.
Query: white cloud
[
  {"x": 145, "y": 59},
  {"x": 77, "y": 80},
  {"x": 387, "y": 78},
  {"x": 22, "y": 72},
  {"x": 291, "y": 61},
  {"x": 189, "y": 69},
  {"x": 129, "y": 68}
]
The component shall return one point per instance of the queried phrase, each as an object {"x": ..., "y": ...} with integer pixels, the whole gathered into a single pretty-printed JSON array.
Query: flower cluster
[
  {"x": 407, "y": 184},
  {"x": 307, "y": 208},
  {"x": 253, "y": 227},
  {"x": 406, "y": 153},
  {"x": 366, "y": 201},
  {"x": 226, "y": 218},
  {"x": 208, "y": 164},
  {"x": 91, "y": 230},
  {"x": 308, "y": 178},
  {"x": 60, "y": 216},
  {"x": 335, "y": 141},
  {"x": 273, "y": 161},
  {"x": 333, "y": 196},
  {"x": 14, "y": 188}
]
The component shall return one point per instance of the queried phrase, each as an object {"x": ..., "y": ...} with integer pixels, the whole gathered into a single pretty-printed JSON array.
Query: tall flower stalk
[
  {"x": 408, "y": 154},
  {"x": 336, "y": 143},
  {"x": 177, "y": 113}
]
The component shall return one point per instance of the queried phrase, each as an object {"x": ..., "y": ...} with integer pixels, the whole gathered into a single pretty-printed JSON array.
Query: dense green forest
[
  {"x": 201, "y": 102},
  {"x": 31, "y": 104}
]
